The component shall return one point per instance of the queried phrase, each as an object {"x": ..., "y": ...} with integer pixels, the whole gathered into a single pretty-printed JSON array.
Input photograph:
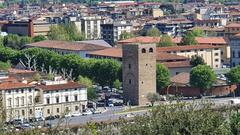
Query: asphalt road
[{"x": 112, "y": 113}]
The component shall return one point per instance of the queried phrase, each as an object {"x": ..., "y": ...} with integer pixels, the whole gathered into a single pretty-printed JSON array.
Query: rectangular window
[
  {"x": 76, "y": 98},
  {"x": 30, "y": 111},
  {"x": 9, "y": 91},
  {"x": 66, "y": 98},
  {"x": 129, "y": 66},
  {"x": 76, "y": 108},
  {"x": 22, "y": 90},
  {"x": 23, "y": 112},
  {"x": 22, "y": 101},
  {"x": 57, "y": 110},
  {"x": 48, "y": 111},
  {"x": 129, "y": 81},
  {"x": 48, "y": 100},
  {"x": 30, "y": 90},
  {"x": 216, "y": 60},
  {"x": 57, "y": 99},
  {"x": 216, "y": 54}
]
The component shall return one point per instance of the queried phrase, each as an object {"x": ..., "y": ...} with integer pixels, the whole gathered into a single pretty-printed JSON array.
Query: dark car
[{"x": 50, "y": 118}]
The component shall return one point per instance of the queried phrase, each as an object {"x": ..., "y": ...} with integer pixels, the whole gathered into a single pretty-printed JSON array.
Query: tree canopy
[
  {"x": 39, "y": 38},
  {"x": 188, "y": 39},
  {"x": 117, "y": 84},
  {"x": 67, "y": 32},
  {"x": 196, "y": 60},
  {"x": 165, "y": 40},
  {"x": 203, "y": 77},
  {"x": 234, "y": 75},
  {"x": 153, "y": 32},
  {"x": 198, "y": 32},
  {"x": 153, "y": 97},
  {"x": 162, "y": 76},
  {"x": 85, "y": 81},
  {"x": 126, "y": 35}
]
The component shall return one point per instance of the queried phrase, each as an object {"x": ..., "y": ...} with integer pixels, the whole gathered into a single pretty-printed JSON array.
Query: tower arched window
[
  {"x": 143, "y": 50},
  {"x": 151, "y": 50}
]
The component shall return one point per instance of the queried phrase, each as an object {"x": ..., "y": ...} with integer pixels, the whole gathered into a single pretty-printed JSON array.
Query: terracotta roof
[
  {"x": 66, "y": 45},
  {"x": 140, "y": 39},
  {"x": 13, "y": 85},
  {"x": 162, "y": 56},
  {"x": 177, "y": 64},
  {"x": 110, "y": 52},
  {"x": 146, "y": 39},
  {"x": 69, "y": 85},
  {"x": 211, "y": 40},
  {"x": 187, "y": 47},
  {"x": 231, "y": 25},
  {"x": 181, "y": 78}
]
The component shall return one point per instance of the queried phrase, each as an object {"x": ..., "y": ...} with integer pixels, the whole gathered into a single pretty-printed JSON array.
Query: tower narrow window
[
  {"x": 151, "y": 50},
  {"x": 143, "y": 50},
  {"x": 129, "y": 66},
  {"x": 129, "y": 81}
]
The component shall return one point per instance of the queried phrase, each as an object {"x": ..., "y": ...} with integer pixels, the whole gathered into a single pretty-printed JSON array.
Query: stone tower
[{"x": 139, "y": 72}]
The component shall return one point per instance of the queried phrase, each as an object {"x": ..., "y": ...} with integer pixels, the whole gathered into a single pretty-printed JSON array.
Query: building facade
[
  {"x": 91, "y": 26},
  {"x": 139, "y": 72},
  {"x": 111, "y": 32},
  {"x": 235, "y": 50}
]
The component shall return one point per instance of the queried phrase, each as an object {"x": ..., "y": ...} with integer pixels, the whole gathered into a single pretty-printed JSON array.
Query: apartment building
[
  {"x": 61, "y": 97},
  {"x": 235, "y": 50},
  {"x": 17, "y": 100},
  {"x": 210, "y": 54},
  {"x": 232, "y": 29},
  {"x": 91, "y": 26},
  {"x": 111, "y": 32}
]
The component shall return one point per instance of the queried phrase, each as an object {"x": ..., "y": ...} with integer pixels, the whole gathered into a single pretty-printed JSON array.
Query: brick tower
[{"x": 139, "y": 72}]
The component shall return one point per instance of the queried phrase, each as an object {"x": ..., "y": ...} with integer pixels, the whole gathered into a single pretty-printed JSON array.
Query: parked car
[
  {"x": 88, "y": 112},
  {"x": 97, "y": 112},
  {"x": 76, "y": 114},
  {"x": 67, "y": 115},
  {"x": 50, "y": 118}
]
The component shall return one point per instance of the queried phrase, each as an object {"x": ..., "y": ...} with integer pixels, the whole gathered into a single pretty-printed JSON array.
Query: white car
[
  {"x": 97, "y": 112},
  {"x": 87, "y": 113},
  {"x": 76, "y": 114},
  {"x": 67, "y": 115}
]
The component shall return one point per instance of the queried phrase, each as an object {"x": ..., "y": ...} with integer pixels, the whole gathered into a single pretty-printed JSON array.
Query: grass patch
[{"x": 137, "y": 108}]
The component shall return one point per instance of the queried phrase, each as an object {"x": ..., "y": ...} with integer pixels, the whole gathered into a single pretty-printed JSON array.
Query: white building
[
  {"x": 61, "y": 97},
  {"x": 91, "y": 26}
]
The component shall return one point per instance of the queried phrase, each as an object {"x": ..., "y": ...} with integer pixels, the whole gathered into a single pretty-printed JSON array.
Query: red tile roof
[
  {"x": 140, "y": 39},
  {"x": 181, "y": 78},
  {"x": 69, "y": 85},
  {"x": 177, "y": 64},
  {"x": 66, "y": 45},
  {"x": 233, "y": 25},
  {"x": 13, "y": 85},
  {"x": 184, "y": 48},
  {"x": 19, "y": 71},
  {"x": 166, "y": 56},
  {"x": 110, "y": 52},
  {"x": 211, "y": 40}
]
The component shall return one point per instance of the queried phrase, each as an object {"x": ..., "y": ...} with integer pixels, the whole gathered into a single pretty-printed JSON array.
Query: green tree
[
  {"x": 5, "y": 65},
  {"x": 165, "y": 41},
  {"x": 233, "y": 75},
  {"x": 12, "y": 41},
  {"x": 117, "y": 84},
  {"x": 37, "y": 77},
  {"x": 188, "y": 39},
  {"x": 50, "y": 76},
  {"x": 91, "y": 93},
  {"x": 25, "y": 40},
  {"x": 39, "y": 38},
  {"x": 153, "y": 32},
  {"x": 198, "y": 32},
  {"x": 85, "y": 81},
  {"x": 73, "y": 33},
  {"x": 153, "y": 97},
  {"x": 203, "y": 77},
  {"x": 197, "y": 60},
  {"x": 163, "y": 77},
  {"x": 126, "y": 35}
]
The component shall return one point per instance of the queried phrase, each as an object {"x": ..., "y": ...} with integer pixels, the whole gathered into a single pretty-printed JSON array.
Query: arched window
[
  {"x": 151, "y": 50},
  {"x": 143, "y": 50}
]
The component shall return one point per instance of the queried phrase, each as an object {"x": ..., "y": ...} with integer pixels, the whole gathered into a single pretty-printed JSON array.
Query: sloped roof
[
  {"x": 69, "y": 85},
  {"x": 181, "y": 78},
  {"x": 66, "y": 45},
  {"x": 13, "y": 85}
]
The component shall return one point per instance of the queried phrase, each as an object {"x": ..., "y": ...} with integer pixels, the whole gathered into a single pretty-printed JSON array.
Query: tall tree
[
  {"x": 198, "y": 32},
  {"x": 203, "y": 77},
  {"x": 234, "y": 75},
  {"x": 188, "y": 39},
  {"x": 165, "y": 40},
  {"x": 153, "y": 32},
  {"x": 163, "y": 77},
  {"x": 85, "y": 81},
  {"x": 117, "y": 84},
  {"x": 196, "y": 60}
]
